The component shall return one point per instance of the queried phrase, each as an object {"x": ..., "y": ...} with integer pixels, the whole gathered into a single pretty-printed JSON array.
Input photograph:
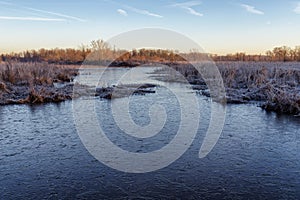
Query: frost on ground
[{"x": 275, "y": 85}]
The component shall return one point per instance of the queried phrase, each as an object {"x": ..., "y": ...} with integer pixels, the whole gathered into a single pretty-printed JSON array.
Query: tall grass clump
[
  {"x": 35, "y": 73},
  {"x": 33, "y": 82}
]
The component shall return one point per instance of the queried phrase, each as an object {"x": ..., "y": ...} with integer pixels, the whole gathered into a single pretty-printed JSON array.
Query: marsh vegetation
[
  {"x": 34, "y": 82},
  {"x": 271, "y": 79},
  {"x": 274, "y": 85}
]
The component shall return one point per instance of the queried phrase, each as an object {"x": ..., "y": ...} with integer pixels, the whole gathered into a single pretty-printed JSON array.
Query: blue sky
[{"x": 219, "y": 26}]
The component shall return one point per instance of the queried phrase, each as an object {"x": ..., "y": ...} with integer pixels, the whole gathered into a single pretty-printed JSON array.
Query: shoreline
[
  {"x": 34, "y": 83},
  {"x": 273, "y": 85}
]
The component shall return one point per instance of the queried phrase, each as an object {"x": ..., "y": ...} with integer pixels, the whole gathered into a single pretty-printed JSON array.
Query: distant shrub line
[{"x": 104, "y": 53}]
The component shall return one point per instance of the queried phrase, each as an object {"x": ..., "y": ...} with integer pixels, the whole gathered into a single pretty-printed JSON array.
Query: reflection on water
[{"x": 41, "y": 155}]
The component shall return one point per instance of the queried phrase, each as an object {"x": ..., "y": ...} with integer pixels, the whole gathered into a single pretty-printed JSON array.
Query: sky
[{"x": 218, "y": 26}]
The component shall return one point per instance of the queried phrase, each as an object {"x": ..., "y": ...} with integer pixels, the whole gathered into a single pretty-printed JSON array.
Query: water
[{"x": 42, "y": 157}]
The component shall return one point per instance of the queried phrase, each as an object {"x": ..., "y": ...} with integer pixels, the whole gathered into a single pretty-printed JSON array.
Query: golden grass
[
  {"x": 35, "y": 73},
  {"x": 33, "y": 82}
]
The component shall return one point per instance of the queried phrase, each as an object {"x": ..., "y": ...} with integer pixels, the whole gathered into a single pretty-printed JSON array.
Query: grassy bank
[
  {"x": 274, "y": 84},
  {"x": 34, "y": 82}
]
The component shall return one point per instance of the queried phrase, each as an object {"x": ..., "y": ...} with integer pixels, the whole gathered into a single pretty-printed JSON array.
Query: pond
[{"x": 42, "y": 156}]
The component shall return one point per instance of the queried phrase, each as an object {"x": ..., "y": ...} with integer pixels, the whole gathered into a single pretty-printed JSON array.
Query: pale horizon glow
[{"x": 219, "y": 27}]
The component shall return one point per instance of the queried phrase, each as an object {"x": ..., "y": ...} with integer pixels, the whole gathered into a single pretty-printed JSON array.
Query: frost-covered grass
[{"x": 274, "y": 84}]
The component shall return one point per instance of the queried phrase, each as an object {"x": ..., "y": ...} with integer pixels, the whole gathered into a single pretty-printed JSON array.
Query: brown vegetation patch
[
  {"x": 274, "y": 84},
  {"x": 33, "y": 83}
]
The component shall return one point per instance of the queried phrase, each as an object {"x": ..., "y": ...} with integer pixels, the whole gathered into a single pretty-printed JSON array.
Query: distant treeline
[
  {"x": 104, "y": 53},
  {"x": 282, "y": 54}
]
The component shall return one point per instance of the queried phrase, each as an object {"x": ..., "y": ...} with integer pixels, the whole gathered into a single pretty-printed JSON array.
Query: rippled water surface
[{"x": 42, "y": 157}]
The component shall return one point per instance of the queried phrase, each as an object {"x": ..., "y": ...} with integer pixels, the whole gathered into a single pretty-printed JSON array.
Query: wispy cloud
[
  {"x": 188, "y": 7},
  {"x": 187, "y": 4},
  {"x": 31, "y": 18},
  {"x": 143, "y": 12},
  {"x": 6, "y": 3},
  {"x": 297, "y": 9},
  {"x": 133, "y": 9},
  {"x": 122, "y": 12},
  {"x": 194, "y": 12},
  {"x": 252, "y": 9},
  {"x": 56, "y": 14},
  {"x": 34, "y": 11}
]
